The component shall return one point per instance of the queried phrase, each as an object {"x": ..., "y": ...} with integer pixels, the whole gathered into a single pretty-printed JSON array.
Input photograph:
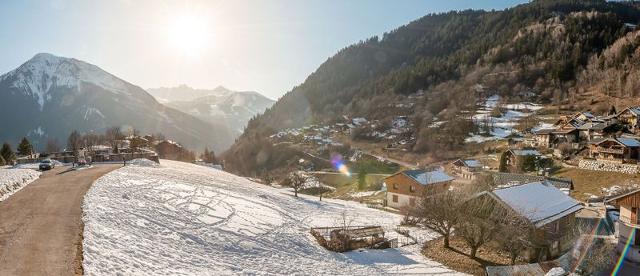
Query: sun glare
[{"x": 189, "y": 34}]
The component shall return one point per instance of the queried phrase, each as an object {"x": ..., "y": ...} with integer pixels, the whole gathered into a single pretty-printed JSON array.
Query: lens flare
[
  {"x": 339, "y": 164},
  {"x": 624, "y": 253}
]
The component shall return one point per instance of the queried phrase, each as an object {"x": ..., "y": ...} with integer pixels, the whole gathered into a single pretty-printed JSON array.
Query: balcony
[{"x": 609, "y": 150}]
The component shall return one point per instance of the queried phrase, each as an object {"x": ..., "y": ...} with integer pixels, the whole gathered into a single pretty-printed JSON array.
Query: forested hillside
[{"x": 566, "y": 53}]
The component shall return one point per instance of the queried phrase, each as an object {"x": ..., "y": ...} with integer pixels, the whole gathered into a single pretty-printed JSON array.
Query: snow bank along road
[
  {"x": 184, "y": 219},
  {"x": 40, "y": 226},
  {"x": 12, "y": 180}
]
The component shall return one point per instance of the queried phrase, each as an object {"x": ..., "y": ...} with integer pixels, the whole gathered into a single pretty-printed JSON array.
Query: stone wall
[{"x": 596, "y": 165}]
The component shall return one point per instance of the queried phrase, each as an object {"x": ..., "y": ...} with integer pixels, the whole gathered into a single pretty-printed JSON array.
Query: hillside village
[{"x": 533, "y": 165}]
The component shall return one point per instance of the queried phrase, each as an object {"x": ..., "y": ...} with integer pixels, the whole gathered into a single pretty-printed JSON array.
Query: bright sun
[{"x": 189, "y": 34}]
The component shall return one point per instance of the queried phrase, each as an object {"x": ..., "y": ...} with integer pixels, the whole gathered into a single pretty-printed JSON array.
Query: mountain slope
[
  {"x": 232, "y": 108},
  {"x": 539, "y": 51},
  {"x": 49, "y": 96}
]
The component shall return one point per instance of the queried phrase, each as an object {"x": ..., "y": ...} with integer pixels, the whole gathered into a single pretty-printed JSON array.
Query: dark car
[{"x": 46, "y": 165}]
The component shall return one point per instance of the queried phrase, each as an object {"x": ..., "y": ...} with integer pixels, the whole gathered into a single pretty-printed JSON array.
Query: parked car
[{"x": 46, "y": 165}]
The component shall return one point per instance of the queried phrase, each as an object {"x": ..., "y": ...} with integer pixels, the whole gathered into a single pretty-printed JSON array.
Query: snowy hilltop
[{"x": 184, "y": 219}]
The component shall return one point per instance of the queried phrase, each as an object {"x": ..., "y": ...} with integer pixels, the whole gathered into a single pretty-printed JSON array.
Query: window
[
  {"x": 412, "y": 202},
  {"x": 395, "y": 198},
  {"x": 395, "y": 186},
  {"x": 412, "y": 189}
]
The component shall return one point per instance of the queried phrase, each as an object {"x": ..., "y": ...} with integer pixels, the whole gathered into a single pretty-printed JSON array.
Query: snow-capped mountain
[
  {"x": 217, "y": 105},
  {"x": 184, "y": 93},
  {"x": 50, "y": 96}
]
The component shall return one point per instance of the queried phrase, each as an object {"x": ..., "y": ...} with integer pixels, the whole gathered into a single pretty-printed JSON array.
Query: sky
[{"x": 268, "y": 46}]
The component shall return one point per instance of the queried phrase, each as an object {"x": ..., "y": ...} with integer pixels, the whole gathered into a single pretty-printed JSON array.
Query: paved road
[{"x": 41, "y": 227}]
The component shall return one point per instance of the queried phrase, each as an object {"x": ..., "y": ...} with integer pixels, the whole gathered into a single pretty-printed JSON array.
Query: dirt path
[{"x": 41, "y": 226}]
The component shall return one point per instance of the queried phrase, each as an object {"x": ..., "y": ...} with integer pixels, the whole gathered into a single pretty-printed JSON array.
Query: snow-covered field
[
  {"x": 183, "y": 219},
  {"x": 12, "y": 180},
  {"x": 503, "y": 126}
]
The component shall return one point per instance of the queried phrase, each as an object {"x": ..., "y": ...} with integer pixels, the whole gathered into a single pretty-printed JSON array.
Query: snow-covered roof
[
  {"x": 473, "y": 163},
  {"x": 428, "y": 177},
  {"x": 537, "y": 202},
  {"x": 525, "y": 152}
]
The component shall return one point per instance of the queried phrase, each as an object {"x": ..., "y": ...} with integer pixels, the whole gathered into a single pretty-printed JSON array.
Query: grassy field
[
  {"x": 346, "y": 186},
  {"x": 591, "y": 182}
]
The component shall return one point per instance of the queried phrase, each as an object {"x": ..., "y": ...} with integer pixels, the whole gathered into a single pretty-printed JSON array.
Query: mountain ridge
[{"x": 49, "y": 96}]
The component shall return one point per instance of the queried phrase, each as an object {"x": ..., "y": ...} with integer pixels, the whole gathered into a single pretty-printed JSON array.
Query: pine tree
[
  {"x": 2, "y": 162},
  {"x": 503, "y": 162},
  {"x": 7, "y": 153},
  {"x": 25, "y": 147}
]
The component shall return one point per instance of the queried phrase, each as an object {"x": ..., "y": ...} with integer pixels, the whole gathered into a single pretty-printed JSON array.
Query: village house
[
  {"x": 628, "y": 230},
  {"x": 466, "y": 169},
  {"x": 517, "y": 160},
  {"x": 630, "y": 116},
  {"x": 549, "y": 212},
  {"x": 597, "y": 130},
  {"x": 404, "y": 189},
  {"x": 551, "y": 138},
  {"x": 621, "y": 149},
  {"x": 504, "y": 180}
]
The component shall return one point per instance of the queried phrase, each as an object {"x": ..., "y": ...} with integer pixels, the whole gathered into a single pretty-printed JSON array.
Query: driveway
[{"x": 41, "y": 226}]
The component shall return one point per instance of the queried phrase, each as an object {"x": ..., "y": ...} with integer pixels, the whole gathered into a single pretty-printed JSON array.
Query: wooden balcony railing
[{"x": 610, "y": 150}]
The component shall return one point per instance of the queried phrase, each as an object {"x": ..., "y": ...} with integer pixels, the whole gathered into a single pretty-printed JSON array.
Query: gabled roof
[
  {"x": 633, "y": 109},
  {"x": 525, "y": 152},
  {"x": 512, "y": 179},
  {"x": 538, "y": 203},
  {"x": 424, "y": 177},
  {"x": 471, "y": 163},
  {"x": 615, "y": 198},
  {"x": 587, "y": 114},
  {"x": 593, "y": 126},
  {"x": 627, "y": 142},
  {"x": 544, "y": 131}
]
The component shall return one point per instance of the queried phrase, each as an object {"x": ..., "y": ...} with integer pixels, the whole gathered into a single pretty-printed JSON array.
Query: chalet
[
  {"x": 467, "y": 169},
  {"x": 628, "y": 224},
  {"x": 549, "y": 212},
  {"x": 597, "y": 130},
  {"x": 621, "y": 149},
  {"x": 552, "y": 137},
  {"x": 516, "y": 159},
  {"x": 630, "y": 116},
  {"x": 504, "y": 180},
  {"x": 405, "y": 188}
]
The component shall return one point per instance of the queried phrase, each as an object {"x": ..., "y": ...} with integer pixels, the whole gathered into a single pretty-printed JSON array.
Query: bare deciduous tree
[
  {"x": 513, "y": 235},
  {"x": 475, "y": 227},
  {"x": 296, "y": 181},
  {"x": 439, "y": 212}
]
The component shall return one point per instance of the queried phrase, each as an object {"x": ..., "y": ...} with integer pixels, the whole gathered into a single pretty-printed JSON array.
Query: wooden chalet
[
  {"x": 630, "y": 116},
  {"x": 621, "y": 149},
  {"x": 466, "y": 168},
  {"x": 516, "y": 157},
  {"x": 628, "y": 224},
  {"x": 549, "y": 212},
  {"x": 404, "y": 189}
]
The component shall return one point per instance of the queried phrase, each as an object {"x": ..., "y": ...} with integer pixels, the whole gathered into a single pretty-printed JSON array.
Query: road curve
[{"x": 41, "y": 225}]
